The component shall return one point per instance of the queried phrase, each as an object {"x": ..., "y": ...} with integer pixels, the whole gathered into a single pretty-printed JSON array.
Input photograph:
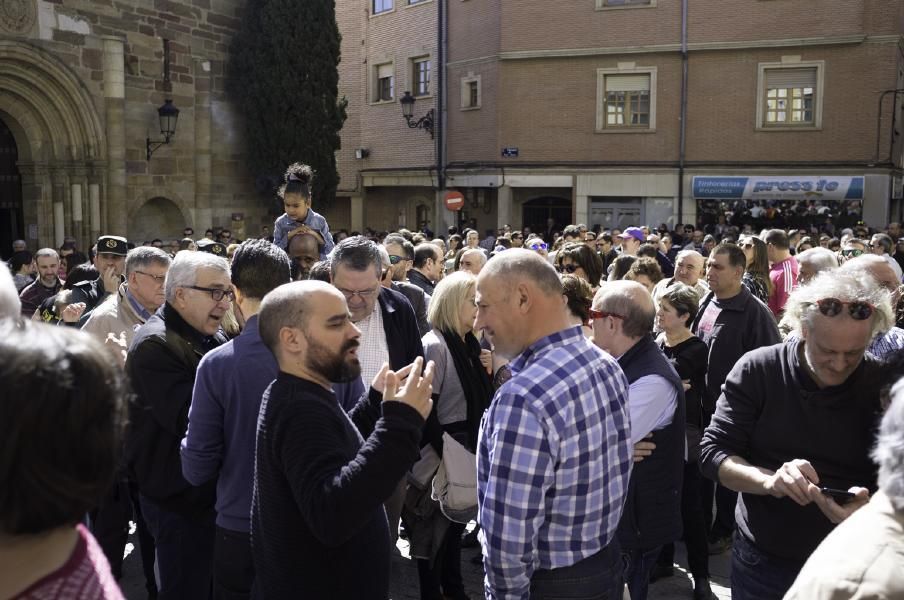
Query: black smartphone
[{"x": 839, "y": 496}]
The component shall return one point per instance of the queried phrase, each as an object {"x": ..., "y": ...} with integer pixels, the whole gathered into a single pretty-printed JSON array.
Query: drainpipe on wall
[{"x": 682, "y": 135}]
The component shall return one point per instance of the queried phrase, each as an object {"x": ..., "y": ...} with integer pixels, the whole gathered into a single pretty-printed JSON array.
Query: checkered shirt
[{"x": 554, "y": 459}]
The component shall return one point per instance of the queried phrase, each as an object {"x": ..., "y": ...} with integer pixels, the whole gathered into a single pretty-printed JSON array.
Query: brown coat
[{"x": 114, "y": 323}]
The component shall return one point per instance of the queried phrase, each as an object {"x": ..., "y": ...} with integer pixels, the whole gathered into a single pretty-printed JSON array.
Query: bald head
[
  {"x": 519, "y": 301},
  {"x": 304, "y": 251},
  {"x": 291, "y": 305}
]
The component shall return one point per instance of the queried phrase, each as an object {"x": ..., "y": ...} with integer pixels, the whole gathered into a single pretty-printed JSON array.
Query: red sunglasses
[{"x": 599, "y": 314}]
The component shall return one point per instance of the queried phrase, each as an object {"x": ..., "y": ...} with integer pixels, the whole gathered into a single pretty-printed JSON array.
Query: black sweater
[
  {"x": 772, "y": 412},
  {"x": 318, "y": 526}
]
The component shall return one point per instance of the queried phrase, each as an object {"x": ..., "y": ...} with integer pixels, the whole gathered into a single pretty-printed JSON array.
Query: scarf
[{"x": 475, "y": 382}]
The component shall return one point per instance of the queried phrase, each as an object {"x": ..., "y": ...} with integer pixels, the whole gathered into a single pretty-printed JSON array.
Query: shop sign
[{"x": 805, "y": 187}]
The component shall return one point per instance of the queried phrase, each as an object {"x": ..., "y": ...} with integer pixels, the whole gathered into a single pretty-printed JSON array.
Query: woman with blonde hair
[{"x": 462, "y": 392}]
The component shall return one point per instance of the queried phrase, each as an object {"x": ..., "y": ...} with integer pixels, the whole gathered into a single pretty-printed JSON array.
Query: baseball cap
[
  {"x": 634, "y": 232},
  {"x": 112, "y": 244}
]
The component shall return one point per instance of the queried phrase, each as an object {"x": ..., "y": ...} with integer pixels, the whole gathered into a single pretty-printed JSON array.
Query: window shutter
[
  {"x": 384, "y": 71},
  {"x": 628, "y": 83},
  {"x": 790, "y": 78}
]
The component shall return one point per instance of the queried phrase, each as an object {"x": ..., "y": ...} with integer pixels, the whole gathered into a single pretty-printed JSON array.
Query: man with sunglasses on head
[
  {"x": 161, "y": 365},
  {"x": 793, "y": 430}
]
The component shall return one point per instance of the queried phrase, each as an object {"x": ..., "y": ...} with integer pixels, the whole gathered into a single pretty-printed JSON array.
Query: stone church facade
[{"x": 80, "y": 85}]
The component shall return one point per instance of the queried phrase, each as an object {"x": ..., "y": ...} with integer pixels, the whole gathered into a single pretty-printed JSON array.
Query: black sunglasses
[
  {"x": 395, "y": 259},
  {"x": 569, "y": 268},
  {"x": 851, "y": 252},
  {"x": 859, "y": 311}
]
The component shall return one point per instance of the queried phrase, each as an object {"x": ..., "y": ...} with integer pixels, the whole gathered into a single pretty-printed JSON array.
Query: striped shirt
[
  {"x": 784, "y": 279},
  {"x": 554, "y": 457}
]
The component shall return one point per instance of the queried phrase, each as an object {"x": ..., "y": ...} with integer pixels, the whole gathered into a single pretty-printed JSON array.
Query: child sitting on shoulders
[{"x": 299, "y": 217}]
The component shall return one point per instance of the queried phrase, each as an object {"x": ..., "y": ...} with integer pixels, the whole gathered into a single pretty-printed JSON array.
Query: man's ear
[
  {"x": 292, "y": 341},
  {"x": 179, "y": 300},
  {"x": 524, "y": 297}
]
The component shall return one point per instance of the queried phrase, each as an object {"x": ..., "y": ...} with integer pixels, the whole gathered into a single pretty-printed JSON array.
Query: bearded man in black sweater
[
  {"x": 318, "y": 528},
  {"x": 796, "y": 418}
]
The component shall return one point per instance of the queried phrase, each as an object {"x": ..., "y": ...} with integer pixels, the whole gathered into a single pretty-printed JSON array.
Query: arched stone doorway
[
  {"x": 157, "y": 218},
  {"x": 11, "y": 222},
  {"x": 60, "y": 142}
]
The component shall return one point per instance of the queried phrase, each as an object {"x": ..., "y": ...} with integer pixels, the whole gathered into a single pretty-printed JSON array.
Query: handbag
[{"x": 455, "y": 483}]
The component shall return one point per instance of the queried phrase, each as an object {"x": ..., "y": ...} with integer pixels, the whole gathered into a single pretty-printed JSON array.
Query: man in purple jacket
[{"x": 223, "y": 416}]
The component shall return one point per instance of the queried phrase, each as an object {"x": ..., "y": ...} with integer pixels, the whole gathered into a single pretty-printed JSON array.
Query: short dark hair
[
  {"x": 63, "y": 413},
  {"x": 684, "y": 299},
  {"x": 79, "y": 273},
  {"x": 423, "y": 253},
  {"x": 572, "y": 231},
  {"x": 647, "y": 250},
  {"x": 259, "y": 267},
  {"x": 777, "y": 238},
  {"x": 19, "y": 260},
  {"x": 399, "y": 240},
  {"x": 647, "y": 266},
  {"x": 578, "y": 296},
  {"x": 885, "y": 241},
  {"x": 736, "y": 257},
  {"x": 356, "y": 253},
  {"x": 320, "y": 271}
]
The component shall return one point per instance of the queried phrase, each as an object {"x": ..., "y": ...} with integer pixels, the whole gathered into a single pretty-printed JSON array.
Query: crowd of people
[{"x": 274, "y": 414}]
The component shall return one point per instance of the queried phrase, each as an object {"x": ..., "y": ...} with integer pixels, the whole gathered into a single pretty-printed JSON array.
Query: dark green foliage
[{"x": 283, "y": 79}]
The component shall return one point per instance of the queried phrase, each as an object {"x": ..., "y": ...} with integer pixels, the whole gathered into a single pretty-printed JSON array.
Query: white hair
[
  {"x": 10, "y": 305},
  {"x": 847, "y": 286},
  {"x": 184, "y": 270},
  {"x": 143, "y": 256},
  {"x": 889, "y": 450},
  {"x": 821, "y": 259},
  {"x": 46, "y": 252}
]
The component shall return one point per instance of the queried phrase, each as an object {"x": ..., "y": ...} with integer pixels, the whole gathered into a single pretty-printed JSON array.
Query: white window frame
[
  {"x": 603, "y": 5},
  {"x": 466, "y": 92},
  {"x": 601, "y": 99},
  {"x": 760, "y": 123},
  {"x": 414, "y": 75},
  {"x": 375, "y": 83}
]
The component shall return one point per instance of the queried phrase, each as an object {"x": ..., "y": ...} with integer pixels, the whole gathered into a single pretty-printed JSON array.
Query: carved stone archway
[{"x": 61, "y": 144}]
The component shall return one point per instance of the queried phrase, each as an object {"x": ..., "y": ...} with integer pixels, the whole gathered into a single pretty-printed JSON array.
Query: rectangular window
[
  {"x": 790, "y": 96},
  {"x": 627, "y": 101},
  {"x": 382, "y": 6},
  {"x": 624, "y": 2},
  {"x": 384, "y": 89},
  {"x": 473, "y": 94},
  {"x": 421, "y": 76}
]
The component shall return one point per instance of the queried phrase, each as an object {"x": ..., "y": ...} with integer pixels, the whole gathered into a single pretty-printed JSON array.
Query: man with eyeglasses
[
  {"x": 161, "y": 364},
  {"x": 389, "y": 331},
  {"x": 622, "y": 315},
  {"x": 793, "y": 430},
  {"x": 115, "y": 321}
]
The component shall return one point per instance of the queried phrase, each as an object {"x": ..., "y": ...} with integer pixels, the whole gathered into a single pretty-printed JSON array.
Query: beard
[{"x": 335, "y": 366}]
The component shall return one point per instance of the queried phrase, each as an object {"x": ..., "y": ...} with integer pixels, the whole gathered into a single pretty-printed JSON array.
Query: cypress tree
[{"x": 283, "y": 78}]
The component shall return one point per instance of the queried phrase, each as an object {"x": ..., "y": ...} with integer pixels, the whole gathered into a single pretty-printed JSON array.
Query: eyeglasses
[
  {"x": 851, "y": 252},
  {"x": 395, "y": 259},
  {"x": 216, "y": 293},
  {"x": 363, "y": 294},
  {"x": 569, "y": 268},
  {"x": 859, "y": 311},
  {"x": 539, "y": 246},
  {"x": 599, "y": 314},
  {"x": 157, "y": 278}
]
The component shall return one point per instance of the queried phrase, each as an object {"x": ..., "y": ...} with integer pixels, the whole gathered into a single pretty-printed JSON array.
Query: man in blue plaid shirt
[{"x": 554, "y": 455}]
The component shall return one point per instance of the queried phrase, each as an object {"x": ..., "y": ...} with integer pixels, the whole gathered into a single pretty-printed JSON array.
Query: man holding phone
[{"x": 796, "y": 418}]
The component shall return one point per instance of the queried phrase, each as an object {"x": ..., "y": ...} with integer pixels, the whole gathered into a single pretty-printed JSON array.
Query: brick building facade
[
  {"x": 80, "y": 85},
  {"x": 575, "y": 113}
]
